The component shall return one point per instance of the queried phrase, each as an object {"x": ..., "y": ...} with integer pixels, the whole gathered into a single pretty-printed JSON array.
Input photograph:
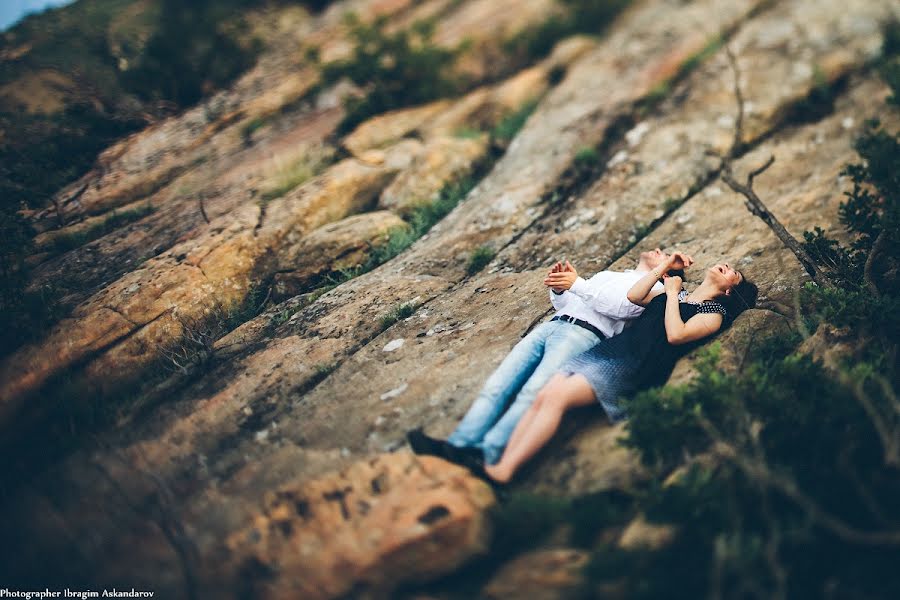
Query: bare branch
[
  {"x": 752, "y": 201},
  {"x": 759, "y": 170},
  {"x": 868, "y": 271},
  {"x": 758, "y": 470},
  {"x": 736, "y": 143}
]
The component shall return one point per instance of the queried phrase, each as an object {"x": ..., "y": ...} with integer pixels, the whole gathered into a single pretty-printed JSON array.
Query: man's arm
[{"x": 604, "y": 299}]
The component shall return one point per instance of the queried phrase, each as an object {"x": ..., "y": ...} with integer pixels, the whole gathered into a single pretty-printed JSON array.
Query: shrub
[
  {"x": 395, "y": 69},
  {"x": 581, "y": 16}
]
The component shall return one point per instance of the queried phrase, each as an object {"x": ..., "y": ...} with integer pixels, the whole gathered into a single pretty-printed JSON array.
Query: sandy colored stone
[
  {"x": 341, "y": 245},
  {"x": 445, "y": 160},
  {"x": 364, "y": 529},
  {"x": 213, "y": 269},
  {"x": 389, "y": 127}
]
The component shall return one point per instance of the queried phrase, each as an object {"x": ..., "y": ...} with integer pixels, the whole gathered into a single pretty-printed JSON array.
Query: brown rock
[
  {"x": 380, "y": 523},
  {"x": 444, "y": 161},
  {"x": 389, "y": 127},
  {"x": 341, "y": 245}
]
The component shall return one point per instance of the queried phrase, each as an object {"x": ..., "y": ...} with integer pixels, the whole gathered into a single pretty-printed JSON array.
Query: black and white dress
[{"x": 640, "y": 357}]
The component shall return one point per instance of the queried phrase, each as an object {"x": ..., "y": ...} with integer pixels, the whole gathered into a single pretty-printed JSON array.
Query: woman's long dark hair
[{"x": 742, "y": 297}]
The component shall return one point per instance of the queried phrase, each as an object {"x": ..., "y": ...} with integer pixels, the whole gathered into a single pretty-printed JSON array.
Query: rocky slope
[{"x": 227, "y": 483}]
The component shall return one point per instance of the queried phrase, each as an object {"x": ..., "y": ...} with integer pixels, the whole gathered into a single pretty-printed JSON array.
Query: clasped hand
[{"x": 561, "y": 277}]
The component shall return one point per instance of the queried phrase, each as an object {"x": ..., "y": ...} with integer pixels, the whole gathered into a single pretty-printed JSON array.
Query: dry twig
[{"x": 752, "y": 201}]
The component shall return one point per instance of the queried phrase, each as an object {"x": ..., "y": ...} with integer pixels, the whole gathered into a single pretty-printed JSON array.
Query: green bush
[
  {"x": 394, "y": 69},
  {"x": 581, "y": 16},
  {"x": 191, "y": 53}
]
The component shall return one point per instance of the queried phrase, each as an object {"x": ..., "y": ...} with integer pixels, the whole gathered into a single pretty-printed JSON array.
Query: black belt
[{"x": 580, "y": 323}]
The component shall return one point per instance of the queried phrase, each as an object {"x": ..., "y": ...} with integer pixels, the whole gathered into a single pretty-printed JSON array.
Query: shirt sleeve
[
  {"x": 606, "y": 298},
  {"x": 559, "y": 301}
]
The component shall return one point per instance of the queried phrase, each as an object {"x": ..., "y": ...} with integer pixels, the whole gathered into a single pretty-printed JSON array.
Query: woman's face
[{"x": 724, "y": 276}]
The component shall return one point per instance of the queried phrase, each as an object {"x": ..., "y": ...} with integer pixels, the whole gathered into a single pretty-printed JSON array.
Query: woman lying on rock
[{"x": 640, "y": 357}]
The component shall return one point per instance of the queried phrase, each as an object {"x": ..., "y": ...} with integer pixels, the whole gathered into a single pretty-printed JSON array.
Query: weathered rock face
[
  {"x": 364, "y": 531},
  {"x": 443, "y": 161},
  {"x": 333, "y": 379},
  {"x": 340, "y": 245}
]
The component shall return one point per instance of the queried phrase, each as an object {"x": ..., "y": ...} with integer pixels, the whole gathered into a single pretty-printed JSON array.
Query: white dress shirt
[{"x": 602, "y": 300}]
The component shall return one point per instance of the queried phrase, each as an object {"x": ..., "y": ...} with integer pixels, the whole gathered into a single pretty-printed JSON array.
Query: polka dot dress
[{"x": 639, "y": 357}]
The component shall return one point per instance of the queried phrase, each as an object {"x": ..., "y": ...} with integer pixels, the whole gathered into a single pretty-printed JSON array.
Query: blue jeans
[{"x": 518, "y": 379}]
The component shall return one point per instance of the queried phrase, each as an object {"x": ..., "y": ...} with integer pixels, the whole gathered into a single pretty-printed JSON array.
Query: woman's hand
[
  {"x": 673, "y": 284},
  {"x": 561, "y": 277}
]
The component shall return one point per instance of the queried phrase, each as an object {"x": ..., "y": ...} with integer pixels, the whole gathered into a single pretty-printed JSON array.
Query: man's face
[{"x": 655, "y": 257}]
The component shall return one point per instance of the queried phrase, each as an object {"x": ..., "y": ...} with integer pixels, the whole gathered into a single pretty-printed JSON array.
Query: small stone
[
  {"x": 619, "y": 157},
  {"x": 393, "y": 345},
  {"x": 634, "y": 136},
  {"x": 262, "y": 435},
  {"x": 848, "y": 123},
  {"x": 394, "y": 392}
]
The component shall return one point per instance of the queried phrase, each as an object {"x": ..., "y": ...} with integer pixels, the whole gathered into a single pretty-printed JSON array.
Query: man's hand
[
  {"x": 679, "y": 260},
  {"x": 561, "y": 277},
  {"x": 673, "y": 284}
]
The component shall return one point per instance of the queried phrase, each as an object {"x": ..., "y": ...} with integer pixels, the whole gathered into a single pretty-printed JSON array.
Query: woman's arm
[
  {"x": 642, "y": 292},
  {"x": 697, "y": 327}
]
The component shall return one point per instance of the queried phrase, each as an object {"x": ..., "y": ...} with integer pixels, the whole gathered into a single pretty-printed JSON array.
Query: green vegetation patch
[
  {"x": 580, "y": 16},
  {"x": 394, "y": 69},
  {"x": 479, "y": 259}
]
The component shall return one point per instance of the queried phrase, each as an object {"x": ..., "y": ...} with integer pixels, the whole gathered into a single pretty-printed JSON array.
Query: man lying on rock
[{"x": 587, "y": 311}]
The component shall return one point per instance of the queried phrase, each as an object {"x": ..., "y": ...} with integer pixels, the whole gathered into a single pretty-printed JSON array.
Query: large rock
[
  {"x": 124, "y": 326},
  {"x": 445, "y": 160},
  {"x": 340, "y": 245},
  {"x": 365, "y": 531}
]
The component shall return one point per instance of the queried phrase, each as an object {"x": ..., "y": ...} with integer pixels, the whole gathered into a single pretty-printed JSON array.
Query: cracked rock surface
[{"x": 279, "y": 469}]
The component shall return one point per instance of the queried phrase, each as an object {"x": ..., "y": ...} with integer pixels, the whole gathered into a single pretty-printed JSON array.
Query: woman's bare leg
[
  {"x": 557, "y": 398},
  {"x": 528, "y": 418}
]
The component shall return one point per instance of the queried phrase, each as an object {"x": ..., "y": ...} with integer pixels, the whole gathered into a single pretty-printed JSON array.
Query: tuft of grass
[
  {"x": 420, "y": 219},
  {"x": 509, "y": 126},
  {"x": 398, "y": 313},
  {"x": 479, "y": 259},
  {"x": 587, "y": 156},
  {"x": 291, "y": 171}
]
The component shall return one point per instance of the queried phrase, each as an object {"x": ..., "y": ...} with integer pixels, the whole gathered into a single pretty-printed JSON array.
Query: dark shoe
[
  {"x": 465, "y": 456},
  {"x": 423, "y": 444}
]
